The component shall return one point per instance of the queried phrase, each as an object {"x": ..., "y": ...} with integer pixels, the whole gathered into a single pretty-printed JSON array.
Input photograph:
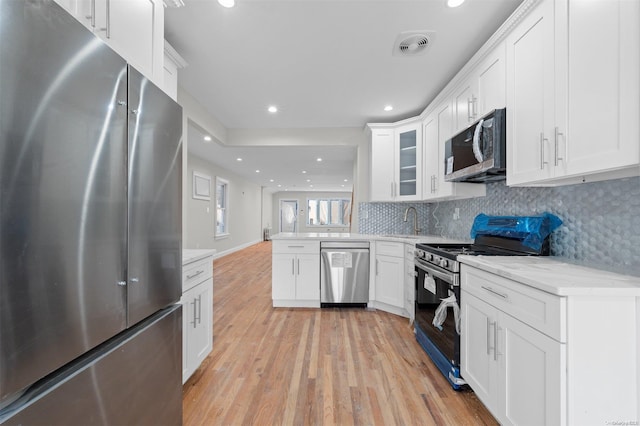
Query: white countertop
[
  {"x": 555, "y": 276},
  {"x": 191, "y": 255},
  {"x": 325, "y": 236}
]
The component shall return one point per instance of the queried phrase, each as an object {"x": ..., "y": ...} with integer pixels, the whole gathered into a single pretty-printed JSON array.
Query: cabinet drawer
[
  {"x": 388, "y": 248},
  {"x": 543, "y": 311},
  {"x": 296, "y": 247},
  {"x": 196, "y": 272}
]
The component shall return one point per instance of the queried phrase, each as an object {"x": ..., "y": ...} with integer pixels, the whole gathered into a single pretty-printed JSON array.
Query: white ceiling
[{"x": 324, "y": 63}]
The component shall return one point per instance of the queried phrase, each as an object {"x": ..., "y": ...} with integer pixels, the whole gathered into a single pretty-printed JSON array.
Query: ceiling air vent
[{"x": 413, "y": 43}]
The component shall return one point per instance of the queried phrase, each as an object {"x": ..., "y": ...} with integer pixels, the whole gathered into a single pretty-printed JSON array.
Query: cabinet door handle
[
  {"x": 298, "y": 266},
  {"x": 293, "y": 267},
  {"x": 194, "y": 312},
  {"x": 377, "y": 261},
  {"x": 488, "y": 336},
  {"x": 469, "y": 118},
  {"x": 200, "y": 309},
  {"x": 92, "y": 14},
  {"x": 195, "y": 275},
  {"x": 295, "y": 246},
  {"x": 542, "y": 162},
  {"x": 492, "y": 291},
  {"x": 495, "y": 341},
  {"x": 474, "y": 106},
  {"x": 557, "y": 157},
  {"x": 108, "y": 6}
]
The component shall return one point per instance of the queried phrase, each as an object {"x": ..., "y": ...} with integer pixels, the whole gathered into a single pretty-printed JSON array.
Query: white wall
[
  {"x": 267, "y": 211},
  {"x": 302, "y": 197},
  {"x": 245, "y": 215}
]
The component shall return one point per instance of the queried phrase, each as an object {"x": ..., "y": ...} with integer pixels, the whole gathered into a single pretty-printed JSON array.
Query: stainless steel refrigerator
[{"x": 90, "y": 229}]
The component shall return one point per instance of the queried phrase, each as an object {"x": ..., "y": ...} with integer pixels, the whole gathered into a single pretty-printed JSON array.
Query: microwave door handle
[{"x": 477, "y": 150}]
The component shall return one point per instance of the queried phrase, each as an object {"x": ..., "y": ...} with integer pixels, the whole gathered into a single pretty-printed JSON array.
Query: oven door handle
[{"x": 449, "y": 277}]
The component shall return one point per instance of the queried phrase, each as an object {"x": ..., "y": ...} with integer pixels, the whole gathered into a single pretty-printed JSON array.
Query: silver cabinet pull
[
  {"x": 298, "y": 266},
  {"x": 542, "y": 162},
  {"x": 109, "y": 19},
  {"x": 469, "y": 102},
  {"x": 377, "y": 261},
  {"x": 474, "y": 106},
  {"x": 195, "y": 275},
  {"x": 488, "y": 336},
  {"x": 293, "y": 267},
  {"x": 557, "y": 157},
  {"x": 495, "y": 341},
  {"x": 92, "y": 15},
  {"x": 492, "y": 291},
  {"x": 194, "y": 312},
  {"x": 199, "y": 316},
  {"x": 295, "y": 246}
]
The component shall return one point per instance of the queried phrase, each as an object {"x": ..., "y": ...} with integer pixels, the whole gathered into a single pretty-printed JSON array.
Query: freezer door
[
  {"x": 155, "y": 199},
  {"x": 63, "y": 188},
  {"x": 135, "y": 379}
]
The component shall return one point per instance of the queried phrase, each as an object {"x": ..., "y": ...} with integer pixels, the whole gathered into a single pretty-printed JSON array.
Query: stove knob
[
  {"x": 444, "y": 263},
  {"x": 429, "y": 257}
]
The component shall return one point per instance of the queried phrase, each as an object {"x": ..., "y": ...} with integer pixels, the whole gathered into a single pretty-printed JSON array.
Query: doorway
[{"x": 288, "y": 215}]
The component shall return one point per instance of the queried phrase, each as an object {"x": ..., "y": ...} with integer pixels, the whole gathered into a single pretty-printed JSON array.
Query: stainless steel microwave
[{"x": 478, "y": 153}]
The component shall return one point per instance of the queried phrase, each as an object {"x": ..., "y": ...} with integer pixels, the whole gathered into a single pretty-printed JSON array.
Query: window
[
  {"x": 222, "y": 207},
  {"x": 329, "y": 212}
]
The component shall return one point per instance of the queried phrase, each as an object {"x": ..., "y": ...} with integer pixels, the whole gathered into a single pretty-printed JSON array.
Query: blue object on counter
[{"x": 531, "y": 230}]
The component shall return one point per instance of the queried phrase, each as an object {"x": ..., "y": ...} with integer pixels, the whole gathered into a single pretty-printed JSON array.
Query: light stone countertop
[
  {"x": 333, "y": 236},
  {"x": 553, "y": 275},
  {"x": 192, "y": 255}
]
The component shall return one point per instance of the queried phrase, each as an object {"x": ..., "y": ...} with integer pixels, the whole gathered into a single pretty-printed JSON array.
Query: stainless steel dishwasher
[{"x": 344, "y": 273}]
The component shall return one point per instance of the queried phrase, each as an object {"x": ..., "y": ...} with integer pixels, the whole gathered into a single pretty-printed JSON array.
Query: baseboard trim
[{"x": 220, "y": 254}]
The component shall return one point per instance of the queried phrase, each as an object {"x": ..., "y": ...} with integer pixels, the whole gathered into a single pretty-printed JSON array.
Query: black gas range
[{"x": 437, "y": 282}]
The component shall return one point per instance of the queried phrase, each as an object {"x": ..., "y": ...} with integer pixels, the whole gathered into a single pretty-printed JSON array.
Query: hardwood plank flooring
[{"x": 278, "y": 366}]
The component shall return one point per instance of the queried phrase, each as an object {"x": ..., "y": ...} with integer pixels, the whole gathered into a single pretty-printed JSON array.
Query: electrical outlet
[{"x": 456, "y": 213}]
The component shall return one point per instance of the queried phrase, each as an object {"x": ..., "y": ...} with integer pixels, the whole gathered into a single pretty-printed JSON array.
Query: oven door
[{"x": 433, "y": 284}]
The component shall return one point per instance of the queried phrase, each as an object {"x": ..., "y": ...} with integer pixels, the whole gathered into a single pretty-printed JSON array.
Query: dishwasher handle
[{"x": 344, "y": 245}]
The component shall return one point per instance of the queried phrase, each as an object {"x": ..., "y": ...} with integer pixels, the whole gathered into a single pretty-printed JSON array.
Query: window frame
[
  {"x": 225, "y": 232},
  {"x": 329, "y": 200}
]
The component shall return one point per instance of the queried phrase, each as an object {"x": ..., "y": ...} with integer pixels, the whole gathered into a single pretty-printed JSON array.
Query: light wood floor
[{"x": 277, "y": 366}]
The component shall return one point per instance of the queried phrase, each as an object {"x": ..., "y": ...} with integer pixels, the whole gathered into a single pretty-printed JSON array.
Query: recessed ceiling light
[
  {"x": 207, "y": 138},
  {"x": 279, "y": 186},
  {"x": 308, "y": 180},
  {"x": 272, "y": 109},
  {"x": 257, "y": 171},
  {"x": 318, "y": 159},
  {"x": 227, "y": 3},
  {"x": 342, "y": 186},
  {"x": 346, "y": 180},
  {"x": 454, "y": 3},
  {"x": 388, "y": 108},
  {"x": 238, "y": 159},
  {"x": 310, "y": 186},
  {"x": 270, "y": 180},
  {"x": 304, "y": 171}
]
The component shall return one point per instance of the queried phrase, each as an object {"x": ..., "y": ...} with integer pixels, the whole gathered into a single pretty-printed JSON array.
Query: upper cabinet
[
  {"x": 482, "y": 91},
  {"x": 173, "y": 62},
  {"x": 436, "y": 130},
  {"x": 396, "y": 162},
  {"x": 573, "y": 93},
  {"x": 133, "y": 28}
]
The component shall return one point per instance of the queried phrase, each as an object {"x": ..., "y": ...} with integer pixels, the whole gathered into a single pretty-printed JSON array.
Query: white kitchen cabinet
[
  {"x": 396, "y": 162},
  {"x": 197, "y": 314},
  {"x": 173, "y": 62},
  {"x": 534, "y": 357},
  {"x": 483, "y": 91},
  {"x": 382, "y": 165},
  {"x": 573, "y": 96},
  {"x": 133, "y": 28},
  {"x": 437, "y": 129},
  {"x": 295, "y": 280},
  {"x": 389, "y": 272},
  {"x": 409, "y": 281}
]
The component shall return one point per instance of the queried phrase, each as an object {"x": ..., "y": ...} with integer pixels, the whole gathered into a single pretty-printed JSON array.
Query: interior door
[{"x": 288, "y": 215}]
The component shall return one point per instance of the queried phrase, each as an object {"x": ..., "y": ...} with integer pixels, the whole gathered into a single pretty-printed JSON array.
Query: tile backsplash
[{"x": 601, "y": 220}]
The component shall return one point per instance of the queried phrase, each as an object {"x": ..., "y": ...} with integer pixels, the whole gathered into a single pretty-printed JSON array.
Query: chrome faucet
[{"x": 416, "y": 230}]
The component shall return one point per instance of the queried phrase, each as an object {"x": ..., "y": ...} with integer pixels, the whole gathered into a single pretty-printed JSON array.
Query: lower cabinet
[
  {"x": 295, "y": 280},
  {"x": 516, "y": 371},
  {"x": 409, "y": 281},
  {"x": 537, "y": 358},
  {"x": 197, "y": 313},
  {"x": 389, "y": 277}
]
